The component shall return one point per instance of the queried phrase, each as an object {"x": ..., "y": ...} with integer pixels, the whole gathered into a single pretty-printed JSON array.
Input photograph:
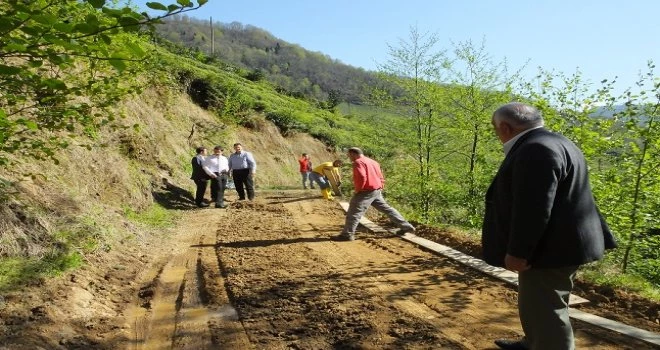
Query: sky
[{"x": 602, "y": 39}]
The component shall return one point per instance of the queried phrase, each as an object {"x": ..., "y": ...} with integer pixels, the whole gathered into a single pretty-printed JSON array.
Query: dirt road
[{"x": 264, "y": 275}]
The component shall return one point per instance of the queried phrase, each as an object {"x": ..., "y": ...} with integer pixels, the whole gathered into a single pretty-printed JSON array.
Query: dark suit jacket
[
  {"x": 540, "y": 206},
  {"x": 198, "y": 172}
]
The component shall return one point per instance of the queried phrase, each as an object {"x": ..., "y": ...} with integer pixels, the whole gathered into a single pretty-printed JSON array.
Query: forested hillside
[{"x": 293, "y": 69}]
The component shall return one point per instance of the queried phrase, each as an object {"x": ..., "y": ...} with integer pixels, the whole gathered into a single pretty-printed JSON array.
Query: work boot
[{"x": 327, "y": 194}]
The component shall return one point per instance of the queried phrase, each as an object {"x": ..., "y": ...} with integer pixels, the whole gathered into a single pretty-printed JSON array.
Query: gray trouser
[
  {"x": 543, "y": 307},
  {"x": 305, "y": 178},
  {"x": 359, "y": 204}
]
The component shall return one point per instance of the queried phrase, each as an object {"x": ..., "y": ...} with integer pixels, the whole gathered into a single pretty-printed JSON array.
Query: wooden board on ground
[{"x": 333, "y": 184}]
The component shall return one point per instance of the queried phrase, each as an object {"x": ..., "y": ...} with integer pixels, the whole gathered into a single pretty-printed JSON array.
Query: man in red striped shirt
[{"x": 368, "y": 181}]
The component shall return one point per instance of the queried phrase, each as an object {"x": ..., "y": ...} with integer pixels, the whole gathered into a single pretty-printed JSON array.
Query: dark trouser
[
  {"x": 243, "y": 182},
  {"x": 218, "y": 186},
  {"x": 543, "y": 307},
  {"x": 201, "y": 190}
]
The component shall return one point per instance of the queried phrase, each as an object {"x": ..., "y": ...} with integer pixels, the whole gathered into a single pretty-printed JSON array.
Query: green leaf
[
  {"x": 63, "y": 27},
  {"x": 33, "y": 31},
  {"x": 54, "y": 84},
  {"x": 129, "y": 22},
  {"x": 45, "y": 19},
  {"x": 136, "y": 49},
  {"x": 92, "y": 19},
  {"x": 202, "y": 2},
  {"x": 156, "y": 6},
  {"x": 31, "y": 125},
  {"x": 172, "y": 8},
  {"x": 9, "y": 70},
  {"x": 36, "y": 63},
  {"x": 184, "y": 3},
  {"x": 106, "y": 39},
  {"x": 13, "y": 47},
  {"x": 86, "y": 28},
  {"x": 97, "y": 4},
  {"x": 112, "y": 12},
  {"x": 118, "y": 62}
]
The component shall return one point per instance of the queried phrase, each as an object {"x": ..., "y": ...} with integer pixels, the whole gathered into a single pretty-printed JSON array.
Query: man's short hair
[
  {"x": 218, "y": 148},
  {"x": 200, "y": 149},
  {"x": 355, "y": 150},
  {"x": 337, "y": 163},
  {"x": 519, "y": 115},
  {"x": 304, "y": 154},
  {"x": 237, "y": 144}
]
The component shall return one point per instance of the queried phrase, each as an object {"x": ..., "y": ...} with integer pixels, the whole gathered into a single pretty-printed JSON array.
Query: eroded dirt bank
[{"x": 264, "y": 275}]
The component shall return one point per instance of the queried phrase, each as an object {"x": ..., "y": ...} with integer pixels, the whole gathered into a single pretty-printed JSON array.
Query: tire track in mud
[{"x": 185, "y": 304}]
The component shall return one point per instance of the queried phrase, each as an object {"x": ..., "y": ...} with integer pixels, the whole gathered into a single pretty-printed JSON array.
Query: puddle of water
[{"x": 201, "y": 314}]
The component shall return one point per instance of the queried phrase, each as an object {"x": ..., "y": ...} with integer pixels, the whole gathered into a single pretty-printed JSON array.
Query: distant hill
[
  {"x": 289, "y": 66},
  {"x": 610, "y": 112},
  {"x": 607, "y": 112}
]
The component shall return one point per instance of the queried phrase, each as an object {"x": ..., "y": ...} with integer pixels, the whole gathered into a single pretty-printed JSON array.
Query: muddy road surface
[{"x": 265, "y": 275}]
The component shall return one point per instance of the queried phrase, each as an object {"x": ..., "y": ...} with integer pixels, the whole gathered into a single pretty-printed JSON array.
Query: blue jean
[{"x": 319, "y": 179}]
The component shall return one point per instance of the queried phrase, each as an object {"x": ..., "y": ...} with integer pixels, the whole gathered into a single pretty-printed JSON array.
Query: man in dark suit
[
  {"x": 199, "y": 176},
  {"x": 541, "y": 220}
]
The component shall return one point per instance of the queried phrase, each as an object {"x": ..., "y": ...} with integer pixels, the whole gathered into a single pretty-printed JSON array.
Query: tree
[
  {"x": 412, "y": 85},
  {"x": 477, "y": 86},
  {"x": 62, "y": 64},
  {"x": 622, "y": 145}
]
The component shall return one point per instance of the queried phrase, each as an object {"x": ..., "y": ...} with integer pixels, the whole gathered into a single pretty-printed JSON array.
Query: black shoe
[
  {"x": 343, "y": 237},
  {"x": 202, "y": 205},
  {"x": 403, "y": 231},
  {"x": 511, "y": 344},
  {"x": 220, "y": 206}
]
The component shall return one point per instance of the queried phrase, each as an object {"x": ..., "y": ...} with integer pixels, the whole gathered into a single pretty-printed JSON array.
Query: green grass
[
  {"x": 155, "y": 216},
  {"x": 623, "y": 281},
  {"x": 18, "y": 271}
]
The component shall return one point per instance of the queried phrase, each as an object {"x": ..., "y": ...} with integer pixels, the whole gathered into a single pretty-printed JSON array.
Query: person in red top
[
  {"x": 305, "y": 169},
  {"x": 368, "y": 181}
]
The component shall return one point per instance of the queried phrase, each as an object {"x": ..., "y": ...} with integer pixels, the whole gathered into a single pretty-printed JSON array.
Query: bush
[{"x": 285, "y": 121}]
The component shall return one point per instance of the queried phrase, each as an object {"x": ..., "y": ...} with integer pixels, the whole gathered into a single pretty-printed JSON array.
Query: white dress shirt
[
  {"x": 216, "y": 163},
  {"x": 509, "y": 144}
]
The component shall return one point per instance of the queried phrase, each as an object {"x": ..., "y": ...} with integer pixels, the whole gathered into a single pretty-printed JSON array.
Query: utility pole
[{"x": 212, "y": 38}]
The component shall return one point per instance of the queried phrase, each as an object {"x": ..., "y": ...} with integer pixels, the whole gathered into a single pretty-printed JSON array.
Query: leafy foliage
[
  {"x": 622, "y": 144},
  {"x": 62, "y": 64}
]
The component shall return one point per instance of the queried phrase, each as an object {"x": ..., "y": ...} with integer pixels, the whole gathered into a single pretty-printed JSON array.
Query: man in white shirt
[
  {"x": 242, "y": 168},
  {"x": 216, "y": 167}
]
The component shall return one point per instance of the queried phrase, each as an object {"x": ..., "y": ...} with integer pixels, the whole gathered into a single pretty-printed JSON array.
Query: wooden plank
[{"x": 649, "y": 337}]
